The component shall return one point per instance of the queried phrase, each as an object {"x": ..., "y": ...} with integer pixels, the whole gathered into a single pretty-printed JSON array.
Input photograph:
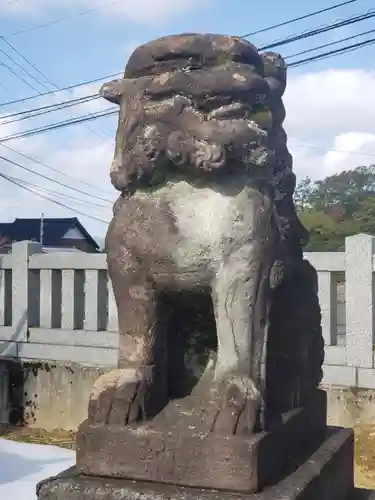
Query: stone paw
[
  {"x": 239, "y": 407},
  {"x": 118, "y": 398}
]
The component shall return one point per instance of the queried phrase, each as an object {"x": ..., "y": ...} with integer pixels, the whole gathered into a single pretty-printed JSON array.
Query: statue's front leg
[
  {"x": 126, "y": 395},
  {"x": 241, "y": 295}
]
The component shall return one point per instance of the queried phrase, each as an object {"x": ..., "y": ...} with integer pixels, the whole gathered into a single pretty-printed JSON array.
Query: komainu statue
[
  {"x": 195, "y": 167},
  {"x": 206, "y": 205}
]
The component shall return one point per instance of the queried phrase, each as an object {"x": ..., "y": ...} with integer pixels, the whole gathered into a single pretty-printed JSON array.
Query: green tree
[
  {"x": 336, "y": 207},
  {"x": 347, "y": 188},
  {"x": 364, "y": 216},
  {"x": 303, "y": 194}
]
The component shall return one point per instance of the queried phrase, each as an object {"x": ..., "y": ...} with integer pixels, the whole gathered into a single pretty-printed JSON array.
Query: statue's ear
[{"x": 112, "y": 91}]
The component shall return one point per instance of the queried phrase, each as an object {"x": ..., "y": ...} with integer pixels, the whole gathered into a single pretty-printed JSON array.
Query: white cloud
[
  {"x": 141, "y": 11},
  {"x": 330, "y": 110},
  {"x": 86, "y": 159}
]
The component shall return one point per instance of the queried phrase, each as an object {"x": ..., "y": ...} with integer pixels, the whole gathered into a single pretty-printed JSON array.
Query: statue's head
[{"x": 191, "y": 102}]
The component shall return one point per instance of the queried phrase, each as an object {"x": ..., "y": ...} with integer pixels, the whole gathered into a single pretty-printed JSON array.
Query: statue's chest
[{"x": 208, "y": 221}]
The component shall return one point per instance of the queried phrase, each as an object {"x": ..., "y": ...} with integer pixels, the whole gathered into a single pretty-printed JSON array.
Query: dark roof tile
[{"x": 53, "y": 230}]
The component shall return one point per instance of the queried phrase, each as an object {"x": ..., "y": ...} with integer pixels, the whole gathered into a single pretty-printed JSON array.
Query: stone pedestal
[
  {"x": 176, "y": 448},
  {"x": 327, "y": 474}
]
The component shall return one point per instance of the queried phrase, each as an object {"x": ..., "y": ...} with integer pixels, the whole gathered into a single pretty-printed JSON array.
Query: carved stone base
[
  {"x": 184, "y": 456},
  {"x": 326, "y": 475}
]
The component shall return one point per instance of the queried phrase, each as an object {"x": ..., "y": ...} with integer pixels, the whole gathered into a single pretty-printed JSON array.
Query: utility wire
[
  {"x": 307, "y": 34},
  {"x": 50, "y": 82},
  {"x": 31, "y": 113},
  {"x": 325, "y": 55},
  {"x": 329, "y": 44},
  {"x": 112, "y": 111},
  {"x": 100, "y": 7},
  {"x": 61, "y": 19},
  {"x": 58, "y": 193},
  {"x": 4, "y": 65},
  {"x": 293, "y": 64},
  {"x": 7, "y": 90},
  {"x": 22, "y": 68},
  {"x": 52, "y": 106},
  {"x": 317, "y": 31},
  {"x": 25, "y": 115},
  {"x": 16, "y": 164},
  {"x": 50, "y": 199},
  {"x": 300, "y": 18},
  {"x": 62, "y": 124},
  {"x": 336, "y": 150},
  {"x": 58, "y": 172},
  {"x": 63, "y": 89}
]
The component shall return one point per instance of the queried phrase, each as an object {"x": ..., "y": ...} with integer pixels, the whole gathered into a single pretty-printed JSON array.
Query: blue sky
[{"x": 87, "y": 46}]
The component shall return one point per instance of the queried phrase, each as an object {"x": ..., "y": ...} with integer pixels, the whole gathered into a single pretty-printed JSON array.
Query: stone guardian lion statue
[{"x": 195, "y": 164}]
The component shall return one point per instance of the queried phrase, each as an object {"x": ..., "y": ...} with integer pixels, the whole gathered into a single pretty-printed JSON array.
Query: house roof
[{"x": 53, "y": 230}]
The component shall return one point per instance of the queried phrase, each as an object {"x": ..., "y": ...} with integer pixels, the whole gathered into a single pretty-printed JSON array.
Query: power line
[
  {"x": 49, "y": 81},
  {"x": 300, "y": 18},
  {"x": 58, "y": 172},
  {"x": 325, "y": 55},
  {"x": 16, "y": 164},
  {"x": 310, "y": 33},
  {"x": 20, "y": 77},
  {"x": 22, "y": 69},
  {"x": 62, "y": 124},
  {"x": 7, "y": 90},
  {"x": 110, "y": 112},
  {"x": 63, "y": 89},
  {"x": 57, "y": 193},
  {"x": 310, "y": 146},
  {"x": 50, "y": 199},
  {"x": 317, "y": 31},
  {"x": 330, "y": 44},
  {"x": 25, "y": 115},
  {"x": 52, "y": 106},
  {"x": 113, "y": 111},
  {"x": 61, "y": 19}
]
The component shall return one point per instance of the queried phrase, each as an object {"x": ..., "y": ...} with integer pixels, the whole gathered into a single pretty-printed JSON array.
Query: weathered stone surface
[
  {"x": 176, "y": 448},
  {"x": 295, "y": 349},
  {"x": 190, "y": 50},
  {"x": 206, "y": 203},
  {"x": 206, "y": 207},
  {"x": 326, "y": 475}
]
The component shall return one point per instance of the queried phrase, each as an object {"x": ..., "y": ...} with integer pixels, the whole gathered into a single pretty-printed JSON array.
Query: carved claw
[
  {"x": 239, "y": 407},
  {"x": 118, "y": 398}
]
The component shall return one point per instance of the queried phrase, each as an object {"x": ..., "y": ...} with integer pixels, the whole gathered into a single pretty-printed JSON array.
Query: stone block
[
  {"x": 339, "y": 375},
  {"x": 191, "y": 458},
  {"x": 366, "y": 378},
  {"x": 326, "y": 475},
  {"x": 335, "y": 355}
]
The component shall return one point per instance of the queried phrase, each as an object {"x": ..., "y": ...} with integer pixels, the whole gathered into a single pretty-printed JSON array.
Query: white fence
[
  {"x": 60, "y": 307},
  {"x": 56, "y": 307}
]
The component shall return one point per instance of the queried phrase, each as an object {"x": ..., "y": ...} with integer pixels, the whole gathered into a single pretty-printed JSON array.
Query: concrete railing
[
  {"x": 56, "y": 306},
  {"x": 60, "y": 307}
]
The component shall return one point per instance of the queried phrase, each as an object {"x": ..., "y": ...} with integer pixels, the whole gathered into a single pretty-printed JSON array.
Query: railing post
[
  {"x": 21, "y": 285},
  {"x": 359, "y": 251},
  {"x": 328, "y": 305}
]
